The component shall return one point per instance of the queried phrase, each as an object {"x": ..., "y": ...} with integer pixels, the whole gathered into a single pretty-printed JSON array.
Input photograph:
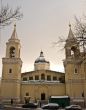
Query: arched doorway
[{"x": 42, "y": 96}]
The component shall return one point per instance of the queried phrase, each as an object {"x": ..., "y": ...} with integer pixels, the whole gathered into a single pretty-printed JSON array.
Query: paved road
[{"x": 20, "y": 108}]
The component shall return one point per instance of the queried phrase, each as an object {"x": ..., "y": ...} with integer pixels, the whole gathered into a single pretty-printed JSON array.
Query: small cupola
[{"x": 40, "y": 63}]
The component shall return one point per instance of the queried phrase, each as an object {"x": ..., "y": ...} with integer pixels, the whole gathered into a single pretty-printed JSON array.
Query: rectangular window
[
  {"x": 36, "y": 77},
  {"x": 30, "y": 78},
  {"x": 54, "y": 78},
  {"x": 42, "y": 76},
  {"x": 49, "y": 78},
  {"x": 25, "y": 79}
]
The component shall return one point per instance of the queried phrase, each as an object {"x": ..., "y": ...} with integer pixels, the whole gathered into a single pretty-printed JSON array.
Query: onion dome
[{"x": 41, "y": 59}]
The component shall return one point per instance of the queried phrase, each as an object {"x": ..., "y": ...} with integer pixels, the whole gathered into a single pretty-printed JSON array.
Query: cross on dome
[{"x": 41, "y": 54}]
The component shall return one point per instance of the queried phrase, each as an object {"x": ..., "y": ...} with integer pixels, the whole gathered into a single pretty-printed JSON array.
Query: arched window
[
  {"x": 75, "y": 71},
  {"x": 27, "y": 94},
  {"x": 10, "y": 70},
  {"x": 72, "y": 52},
  {"x": 12, "y": 52},
  {"x": 42, "y": 76},
  {"x": 75, "y": 51}
]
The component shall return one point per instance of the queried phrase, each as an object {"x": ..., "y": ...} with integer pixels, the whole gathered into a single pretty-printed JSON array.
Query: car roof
[
  {"x": 51, "y": 104},
  {"x": 73, "y": 106}
]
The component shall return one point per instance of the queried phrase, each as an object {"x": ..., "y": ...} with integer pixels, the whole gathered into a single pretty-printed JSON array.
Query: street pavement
[{"x": 8, "y": 107}]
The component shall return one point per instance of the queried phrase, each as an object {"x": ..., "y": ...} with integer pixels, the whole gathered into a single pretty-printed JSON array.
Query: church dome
[
  {"x": 41, "y": 63},
  {"x": 41, "y": 59}
]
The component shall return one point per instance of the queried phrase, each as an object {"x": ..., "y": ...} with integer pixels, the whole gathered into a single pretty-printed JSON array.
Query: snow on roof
[{"x": 59, "y": 96}]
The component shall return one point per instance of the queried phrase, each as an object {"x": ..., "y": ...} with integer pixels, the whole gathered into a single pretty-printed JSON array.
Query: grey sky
[{"x": 43, "y": 22}]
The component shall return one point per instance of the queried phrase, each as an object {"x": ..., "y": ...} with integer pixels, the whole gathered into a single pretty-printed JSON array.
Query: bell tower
[
  {"x": 71, "y": 46},
  {"x": 74, "y": 73},
  {"x": 11, "y": 69}
]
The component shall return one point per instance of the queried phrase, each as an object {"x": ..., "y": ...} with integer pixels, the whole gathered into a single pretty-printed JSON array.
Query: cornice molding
[{"x": 12, "y": 60}]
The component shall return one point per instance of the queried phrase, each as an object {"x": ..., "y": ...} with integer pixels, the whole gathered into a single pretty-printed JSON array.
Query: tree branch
[{"x": 7, "y": 15}]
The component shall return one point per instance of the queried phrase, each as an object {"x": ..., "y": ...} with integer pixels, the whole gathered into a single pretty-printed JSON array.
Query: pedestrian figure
[
  {"x": 11, "y": 101},
  {"x": 40, "y": 103}
]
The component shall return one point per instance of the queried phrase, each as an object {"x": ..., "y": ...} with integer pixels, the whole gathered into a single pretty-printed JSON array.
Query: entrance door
[{"x": 42, "y": 96}]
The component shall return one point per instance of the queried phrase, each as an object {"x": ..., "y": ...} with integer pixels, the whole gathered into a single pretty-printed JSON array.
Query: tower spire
[
  {"x": 14, "y": 34},
  {"x": 70, "y": 35}
]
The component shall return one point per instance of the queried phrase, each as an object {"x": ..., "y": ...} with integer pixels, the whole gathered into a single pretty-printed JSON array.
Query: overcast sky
[{"x": 43, "y": 22}]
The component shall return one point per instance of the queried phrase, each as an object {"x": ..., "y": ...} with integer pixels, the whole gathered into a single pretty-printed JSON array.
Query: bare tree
[
  {"x": 60, "y": 43},
  {"x": 7, "y": 15},
  {"x": 80, "y": 33}
]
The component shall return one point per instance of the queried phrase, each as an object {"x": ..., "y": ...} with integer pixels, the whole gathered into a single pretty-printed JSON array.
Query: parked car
[
  {"x": 73, "y": 107},
  {"x": 50, "y": 106},
  {"x": 1, "y": 106},
  {"x": 30, "y": 105}
]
